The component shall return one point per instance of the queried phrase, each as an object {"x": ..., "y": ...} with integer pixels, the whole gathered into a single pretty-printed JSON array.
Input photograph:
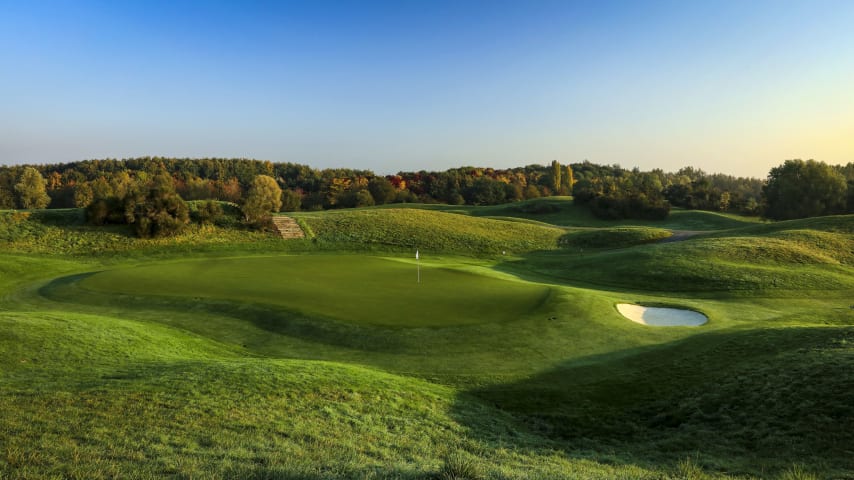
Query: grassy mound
[
  {"x": 119, "y": 399},
  {"x": 619, "y": 237},
  {"x": 100, "y": 397},
  {"x": 754, "y": 397},
  {"x": 428, "y": 231},
  {"x": 782, "y": 257},
  {"x": 564, "y": 212}
]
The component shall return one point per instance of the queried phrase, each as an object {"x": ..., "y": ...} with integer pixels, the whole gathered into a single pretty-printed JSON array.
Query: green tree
[
  {"x": 382, "y": 190},
  {"x": 209, "y": 212},
  {"x": 31, "y": 189},
  {"x": 264, "y": 198},
  {"x": 199, "y": 189},
  {"x": 532, "y": 192},
  {"x": 364, "y": 199},
  {"x": 83, "y": 195},
  {"x": 799, "y": 189},
  {"x": 569, "y": 179},
  {"x": 724, "y": 201},
  {"x": 556, "y": 176},
  {"x": 7, "y": 200},
  {"x": 156, "y": 209},
  {"x": 290, "y": 200}
]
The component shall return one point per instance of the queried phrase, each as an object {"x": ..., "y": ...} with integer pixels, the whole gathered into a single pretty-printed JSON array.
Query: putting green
[{"x": 355, "y": 289}]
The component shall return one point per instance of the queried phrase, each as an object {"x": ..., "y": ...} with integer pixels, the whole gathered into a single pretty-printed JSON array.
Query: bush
[
  {"x": 207, "y": 212},
  {"x": 797, "y": 472},
  {"x": 536, "y": 208},
  {"x": 160, "y": 214},
  {"x": 614, "y": 208},
  {"x": 290, "y": 201},
  {"x": 459, "y": 466}
]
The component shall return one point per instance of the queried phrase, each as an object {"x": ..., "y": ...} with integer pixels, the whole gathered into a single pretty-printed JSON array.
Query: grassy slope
[
  {"x": 580, "y": 380},
  {"x": 809, "y": 255},
  {"x": 429, "y": 231},
  {"x": 562, "y": 211}
]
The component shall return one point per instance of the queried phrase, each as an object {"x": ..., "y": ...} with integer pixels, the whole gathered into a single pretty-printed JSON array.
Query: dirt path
[{"x": 679, "y": 235}]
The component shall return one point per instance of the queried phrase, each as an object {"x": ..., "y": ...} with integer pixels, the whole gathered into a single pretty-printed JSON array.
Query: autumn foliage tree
[
  {"x": 264, "y": 198},
  {"x": 31, "y": 189}
]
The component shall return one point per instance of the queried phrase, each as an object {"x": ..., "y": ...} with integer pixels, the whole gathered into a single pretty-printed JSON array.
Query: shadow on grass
[{"x": 749, "y": 401}]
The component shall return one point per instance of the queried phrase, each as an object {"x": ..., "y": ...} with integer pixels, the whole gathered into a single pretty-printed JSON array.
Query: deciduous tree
[
  {"x": 799, "y": 189},
  {"x": 157, "y": 210},
  {"x": 31, "y": 189},
  {"x": 556, "y": 176},
  {"x": 264, "y": 198}
]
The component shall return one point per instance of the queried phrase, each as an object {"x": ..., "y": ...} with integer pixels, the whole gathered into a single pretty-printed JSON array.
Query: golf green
[{"x": 356, "y": 289}]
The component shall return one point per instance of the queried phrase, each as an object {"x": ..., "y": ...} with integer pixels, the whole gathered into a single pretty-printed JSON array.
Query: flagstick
[{"x": 418, "y": 262}]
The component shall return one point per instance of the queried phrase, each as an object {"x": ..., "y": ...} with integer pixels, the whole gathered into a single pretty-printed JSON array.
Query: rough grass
[
  {"x": 63, "y": 233},
  {"x": 429, "y": 231},
  {"x": 760, "y": 395}
]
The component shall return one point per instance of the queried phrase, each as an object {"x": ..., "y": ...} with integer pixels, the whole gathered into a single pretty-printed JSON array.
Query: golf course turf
[
  {"x": 225, "y": 353},
  {"x": 359, "y": 289}
]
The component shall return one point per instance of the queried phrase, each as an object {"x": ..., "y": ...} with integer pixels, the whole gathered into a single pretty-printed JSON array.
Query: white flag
[{"x": 416, "y": 254}]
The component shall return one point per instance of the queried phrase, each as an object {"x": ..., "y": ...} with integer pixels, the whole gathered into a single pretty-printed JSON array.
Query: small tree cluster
[
  {"x": 158, "y": 211},
  {"x": 151, "y": 206},
  {"x": 632, "y": 195},
  {"x": 799, "y": 189}
]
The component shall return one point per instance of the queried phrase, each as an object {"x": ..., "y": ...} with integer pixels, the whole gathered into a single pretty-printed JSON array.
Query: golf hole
[{"x": 661, "y": 317}]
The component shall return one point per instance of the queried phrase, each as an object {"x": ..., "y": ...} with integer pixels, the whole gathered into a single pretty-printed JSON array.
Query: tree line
[{"x": 792, "y": 190}]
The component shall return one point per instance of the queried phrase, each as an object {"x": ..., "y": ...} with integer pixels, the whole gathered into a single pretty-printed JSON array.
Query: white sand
[{"x": 661, "y": 317}]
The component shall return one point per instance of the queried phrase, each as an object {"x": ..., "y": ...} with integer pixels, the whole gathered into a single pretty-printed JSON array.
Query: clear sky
[{"x": 727, "y": 86}]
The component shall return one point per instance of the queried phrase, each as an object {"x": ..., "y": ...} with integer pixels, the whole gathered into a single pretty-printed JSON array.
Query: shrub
[
  {"x": 797, "y": 472},
  {"x": 459, "y": 466},
  {"x": 208, "y": 212}
]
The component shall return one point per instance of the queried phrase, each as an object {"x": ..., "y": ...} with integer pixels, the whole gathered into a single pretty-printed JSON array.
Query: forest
[{"x": 793, "y": 190}]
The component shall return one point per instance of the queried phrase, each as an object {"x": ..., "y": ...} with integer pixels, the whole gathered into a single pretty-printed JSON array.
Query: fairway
[{"x": 348, "y": 288}]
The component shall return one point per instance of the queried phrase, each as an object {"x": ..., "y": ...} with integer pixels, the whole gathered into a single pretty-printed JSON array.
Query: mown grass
[
  {"x": 619, "y": 237},
  {"x": 211, "y": 369},
  {"x": 345, "y": 288}
]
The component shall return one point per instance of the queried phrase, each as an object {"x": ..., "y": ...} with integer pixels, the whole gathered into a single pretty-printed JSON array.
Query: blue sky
[{"x": 734, "y": 87}]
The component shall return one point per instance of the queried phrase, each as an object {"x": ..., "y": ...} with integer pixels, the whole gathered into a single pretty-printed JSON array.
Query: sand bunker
[{"x": 661, "y": 317}]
